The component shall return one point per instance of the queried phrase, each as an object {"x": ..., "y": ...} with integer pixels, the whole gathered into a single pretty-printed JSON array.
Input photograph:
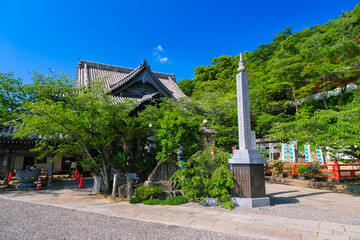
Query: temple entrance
[
  {"x": 28, "y": 161},
  {"x": 66, "y": 163}
]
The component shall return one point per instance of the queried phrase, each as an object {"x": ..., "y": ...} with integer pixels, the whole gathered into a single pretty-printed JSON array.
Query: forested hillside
[{"x": 303, "y": 77}]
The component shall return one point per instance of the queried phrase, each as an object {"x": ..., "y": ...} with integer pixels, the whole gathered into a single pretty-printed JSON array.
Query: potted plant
[
  {"x": 267, "y": 168},
  {"x": 289, "y": 170},
  {"x": 314, "y": 169},
  {"x": 301, "y": 169},
  {"x": 278, "y": 166}
]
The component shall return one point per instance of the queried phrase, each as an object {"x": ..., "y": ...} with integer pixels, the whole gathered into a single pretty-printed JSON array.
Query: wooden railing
[{"x": 333, "y": 170}]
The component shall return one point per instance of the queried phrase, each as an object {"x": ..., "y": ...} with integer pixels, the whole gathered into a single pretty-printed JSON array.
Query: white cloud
[
  {"x": 163, "y": 60},
  {"x": 157, "y": 51},
  {"x": 159, "y": 48}
]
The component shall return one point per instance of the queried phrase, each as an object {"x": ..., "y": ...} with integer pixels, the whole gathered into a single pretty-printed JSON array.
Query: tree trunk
[
  {"x": 295, "y": 100},
  {"x": 324, "y": 99},
  {"x": 342, "y": 94},
  {"x": 105, "y": 174}
]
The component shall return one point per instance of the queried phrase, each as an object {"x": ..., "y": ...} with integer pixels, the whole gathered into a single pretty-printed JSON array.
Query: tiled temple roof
[
  {"x": 7, "y": 132},
  {"x": 116, "y": 76}
]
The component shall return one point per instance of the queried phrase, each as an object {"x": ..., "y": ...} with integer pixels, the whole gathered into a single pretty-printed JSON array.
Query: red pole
[
  {"x": 294, "y": 168},
  {"x": 336, "y": 171},
  {"x": 76, "y": 175}
]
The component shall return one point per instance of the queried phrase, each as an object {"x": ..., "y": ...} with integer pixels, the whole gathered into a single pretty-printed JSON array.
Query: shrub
[
  {"x": 169, "y": 201},
  {"x": 145, "y": 192},
  {"x": 154, "y": 201},
  {"x": 207, "y": 176},
  {"x": 267, "y": 167},
  {"x": 278, "y": 166},
  {"x": 134, "y": 200},
  {"x": 176, "y": 200},
  {"x": 301, "y": 169},
  {"x": 289, "y": 168},
  {"x": 313, "y": 169}
]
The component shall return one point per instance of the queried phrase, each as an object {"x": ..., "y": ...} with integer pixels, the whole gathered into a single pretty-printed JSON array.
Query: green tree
[
  {"x": 175, "y": 130},
  {"x": 337, "y": 128},
  {"x": 206, "y": 175},
  {"x": 82, "y": 121},
  {"x": 187, "y": 86},
  {"x": 12, "y": 96},
  {"x": 175, "y": 124}
]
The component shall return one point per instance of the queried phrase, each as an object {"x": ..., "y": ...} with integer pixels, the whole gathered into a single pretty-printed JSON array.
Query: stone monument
[
  {"x": 27, "y": 177},
  {"x": 247, "y": 164}
]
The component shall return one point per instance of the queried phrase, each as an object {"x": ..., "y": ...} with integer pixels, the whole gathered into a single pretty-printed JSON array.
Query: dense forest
[{"x": 303, "y": 86}]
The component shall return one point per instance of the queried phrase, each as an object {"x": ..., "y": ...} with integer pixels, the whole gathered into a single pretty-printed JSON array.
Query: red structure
[{"x": 334, "y": 170}]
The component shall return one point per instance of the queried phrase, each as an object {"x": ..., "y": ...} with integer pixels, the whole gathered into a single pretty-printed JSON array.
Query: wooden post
[
  {"x": 336, "y": 171},
  {"x": 7, "y": 169},
  {"x": 128, "y": 186},
  {"x": 2, "y": 157}
]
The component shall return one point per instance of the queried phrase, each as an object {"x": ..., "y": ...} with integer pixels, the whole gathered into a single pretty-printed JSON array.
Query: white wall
[
  {"x": 57, "y": 164},
  {"x": 18, "y": 162},
  {"x": 42, "y": 165}
]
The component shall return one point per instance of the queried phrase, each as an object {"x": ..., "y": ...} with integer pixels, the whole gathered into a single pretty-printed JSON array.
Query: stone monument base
[
  {"x": 241, "y": 202},
  {"x": 251, "y": 202},
  {"x": 248, "y": 156}
]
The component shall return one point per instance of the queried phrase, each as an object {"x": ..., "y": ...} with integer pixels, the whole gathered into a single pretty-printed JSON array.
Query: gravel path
[
  {"x": 289, "y": 209},
  {"x": 20, "y": 220}
]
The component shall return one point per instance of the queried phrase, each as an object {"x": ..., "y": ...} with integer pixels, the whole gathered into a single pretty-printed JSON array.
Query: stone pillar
[
  {"x": 113, "y": 194},
  {"x": 97, "y": 185},
  {"x": 247, "y": 164}
]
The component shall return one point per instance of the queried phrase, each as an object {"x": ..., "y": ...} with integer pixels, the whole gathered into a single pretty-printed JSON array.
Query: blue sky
[{"x": 174, "y": 36}]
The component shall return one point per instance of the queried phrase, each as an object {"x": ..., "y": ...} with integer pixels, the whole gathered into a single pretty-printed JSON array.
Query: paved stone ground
[
  {"x": 22, "y": 220},
  {"x": 253, "y": 223}
]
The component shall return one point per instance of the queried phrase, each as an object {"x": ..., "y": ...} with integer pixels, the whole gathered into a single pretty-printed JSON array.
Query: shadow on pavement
[{"x": 290, "y": 199}]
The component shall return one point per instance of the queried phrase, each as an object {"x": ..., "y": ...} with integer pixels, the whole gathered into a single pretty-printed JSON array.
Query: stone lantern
[{"x": 206, "y": 134}]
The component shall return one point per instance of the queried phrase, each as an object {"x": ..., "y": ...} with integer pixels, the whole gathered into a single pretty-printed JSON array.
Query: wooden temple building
[{"x": 140, "y": 84}]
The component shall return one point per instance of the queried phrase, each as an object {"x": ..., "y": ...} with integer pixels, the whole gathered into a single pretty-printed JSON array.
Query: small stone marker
[{"x": 96, "y": 187}]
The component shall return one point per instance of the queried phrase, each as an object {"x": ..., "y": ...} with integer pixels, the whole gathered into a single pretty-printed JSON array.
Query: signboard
[
  {"x": 292, "y": 152},
  {"x": 4, "y": 163},
  {"x": 307, "y": 153},
  {"x": 283, "y": 150},
  {"x": 319, "y": 155}
]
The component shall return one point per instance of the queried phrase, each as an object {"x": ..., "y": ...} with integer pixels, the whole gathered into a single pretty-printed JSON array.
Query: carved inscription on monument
[{"x": 243, "y": 111}]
